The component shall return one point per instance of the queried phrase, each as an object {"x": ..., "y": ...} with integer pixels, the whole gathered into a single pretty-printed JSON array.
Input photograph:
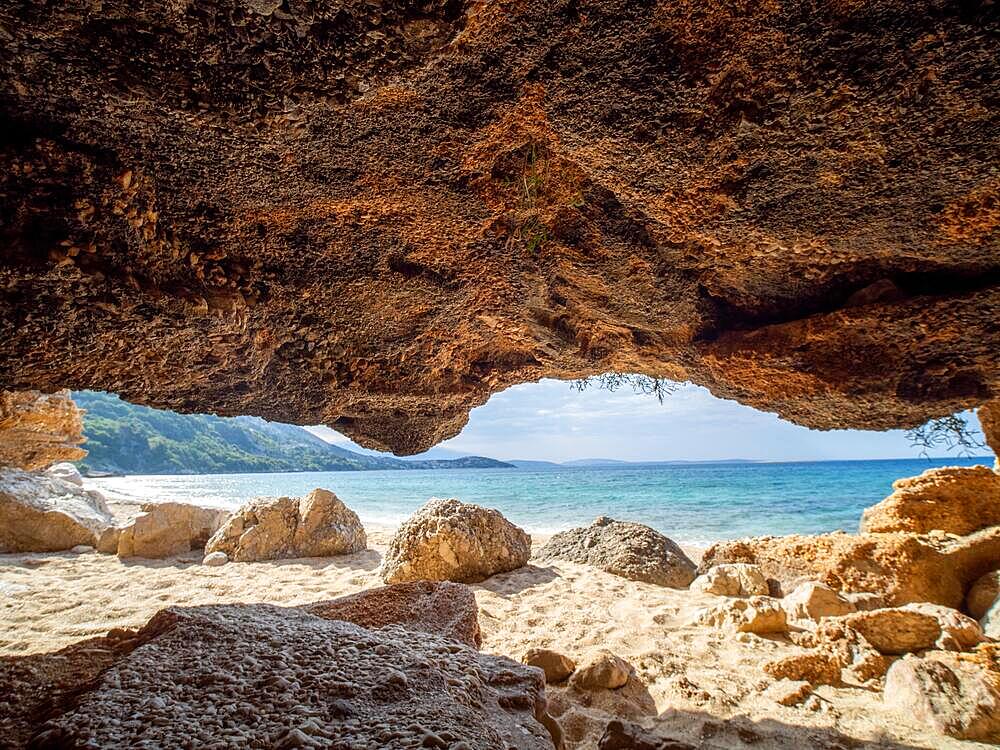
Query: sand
[{"x": 697, "y": 683}]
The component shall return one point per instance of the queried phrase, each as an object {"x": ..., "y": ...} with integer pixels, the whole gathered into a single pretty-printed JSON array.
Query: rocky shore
[{"x": 169, "y": 625}]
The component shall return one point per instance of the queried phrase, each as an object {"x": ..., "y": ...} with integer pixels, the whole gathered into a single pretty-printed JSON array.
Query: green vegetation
[{"x": 123, "y": 437}]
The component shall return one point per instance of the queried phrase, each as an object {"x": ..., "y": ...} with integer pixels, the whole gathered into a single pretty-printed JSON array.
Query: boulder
[
  {"x": 604, "y": 671},
  {"x": 915, "y": 627},
  {"x": 268, "y": 528},
  {"x": 167, "y": 529},
  {"x": 66, "y": 472},
  {"x": 731, "y": 579},
  {"x": 440, "y": 607},
  {"x": 39, "y": 513},
  {"x": 39, "y": 429},
  {"x": 625, "y": 549},
  {"x": 900, "y": 567},
  {"x": 953, "y": 694},
  {"x": 557, "y": 666},
  {"x": 983, "y": 593},
  {"x": 448, "y": 540},
  {"x": 814, "y": 601},
  {"x": 954, "y": 499},
  {"x": 265, "y": 676},
  {"x": 757, "y": 614}
]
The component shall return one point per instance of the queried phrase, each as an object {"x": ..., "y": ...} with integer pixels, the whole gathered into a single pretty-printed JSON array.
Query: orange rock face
[
  {"x": 38, "y": 430},
  {"x": 955, "y": 499},
  {"x": 374, "y": 219},
  {"x": 899, "y": 566}
]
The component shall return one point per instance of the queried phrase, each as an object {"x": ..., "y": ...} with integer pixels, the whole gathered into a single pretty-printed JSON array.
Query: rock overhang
[{"x": 375, "y": 218}]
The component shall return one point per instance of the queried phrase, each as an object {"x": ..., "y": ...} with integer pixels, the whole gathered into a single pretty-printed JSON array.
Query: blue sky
[{"x": 550, "y": 420}]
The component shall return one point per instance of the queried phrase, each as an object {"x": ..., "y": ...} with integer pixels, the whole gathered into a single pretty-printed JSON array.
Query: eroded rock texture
[
  {"x": 375, "y": 216},
  {"x": 38, "y": 430},
  {"x": 262, "y": 676}
]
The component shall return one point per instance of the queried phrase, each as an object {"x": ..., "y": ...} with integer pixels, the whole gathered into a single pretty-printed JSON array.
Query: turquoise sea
[{"x": 693, "y": 504}]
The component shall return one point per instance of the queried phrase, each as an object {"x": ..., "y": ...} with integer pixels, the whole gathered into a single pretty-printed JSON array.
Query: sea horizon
[{"x": 694, "y": 503}]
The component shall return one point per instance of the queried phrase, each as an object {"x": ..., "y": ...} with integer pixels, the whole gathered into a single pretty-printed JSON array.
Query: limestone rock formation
[
  {"x": 268, "y": 528},
  {"x": 953, "y": 694},
  {"x": 38, "y": 429},
  {"x": 448, "y": 540},
  {"x": 955, "y": 499},
  {"x": 757, "y": 614},
  {"x": 982, "y": 594},
  {"x": 900, "y": 567},
  {"x": 814, "y": 601},
  {"x": 265, "y": 676},
  {"x": 443, "y": 608},
  {"x": 321, "y": 214},
  {"x": 626, "y": 549},
  {"x": 39, "y": 513},
  {"x": 915, "y": 627},
  {"x": 731, "y": 579},
  {"x": 556, "y": 666},
  {"x": 168, "y": 529},
  {"x": 603, "y": 671}
]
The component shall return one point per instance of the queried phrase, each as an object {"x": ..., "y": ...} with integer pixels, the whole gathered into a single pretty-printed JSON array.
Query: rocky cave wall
[{"x": 375, "y": 214}]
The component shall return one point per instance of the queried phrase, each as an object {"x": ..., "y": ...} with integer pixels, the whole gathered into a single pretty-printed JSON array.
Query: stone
[
  {"x": 620, "y": 735},
  {"x": 39, "y": 513},
  {"x": 168, "y": 529},
  {"x": 557, "y": 667},
  {"x": 39, "y": 429},
  {"x": 982, "y": 594},
  {"x": 66, "y": 472},
  {"x": 443, "y": 608},
  {"x": 786, "y": 692},
  {"x": 814, "y": 601},
  {"x": 603, "y": 671},
  {"x": 267, "y": 528},
  {"x": 954, "y": 499},
  {"x": 82, "y": 549},
  {"x": 215, "y": 559},
  {"x": 566, "y": 228},
  {"x": 262, "y": 671},
  {"x": 915, "y": 627},
  {"x": 448, "y": 540},
  {"x": 625, "y": 549},
  {"x": 732, "y": 579},
  {"x": 107, "y": 540},
  {"x": 957, "y": 695},
  {"x": 900, "y": 567},
  {"x": 814, "y": 667},
  {"x": 756, "y": 614},
  {"x": 835, "y": 644}
]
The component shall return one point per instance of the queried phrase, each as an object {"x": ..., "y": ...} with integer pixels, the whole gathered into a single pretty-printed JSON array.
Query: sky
[{"x": 551, "y": 421}]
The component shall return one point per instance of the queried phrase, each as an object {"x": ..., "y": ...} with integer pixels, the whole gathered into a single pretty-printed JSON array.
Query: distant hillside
[{"x": 123, "y": 437}]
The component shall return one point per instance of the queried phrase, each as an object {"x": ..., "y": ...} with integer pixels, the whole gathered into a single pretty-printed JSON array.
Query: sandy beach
[{"x": 698, "y": 683}]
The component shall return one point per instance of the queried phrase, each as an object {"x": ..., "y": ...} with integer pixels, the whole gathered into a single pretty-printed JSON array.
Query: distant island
[{"x": 124, "y": 438}]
